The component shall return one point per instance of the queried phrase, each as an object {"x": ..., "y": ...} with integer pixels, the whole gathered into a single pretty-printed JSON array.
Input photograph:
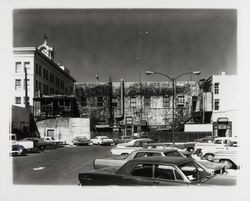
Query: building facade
[
  {"x": 217, "y": 106},
  {"x": 133, "y": 104},
  {"x": 44, "y": 76}
]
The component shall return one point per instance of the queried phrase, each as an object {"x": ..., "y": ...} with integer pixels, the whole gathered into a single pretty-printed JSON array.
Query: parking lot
[{"x": 58, "y": 166}]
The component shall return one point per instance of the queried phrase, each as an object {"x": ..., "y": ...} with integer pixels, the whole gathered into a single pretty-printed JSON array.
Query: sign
[
  {"x": 222, "y": 119},
  {"x": 129, "y": 120}
]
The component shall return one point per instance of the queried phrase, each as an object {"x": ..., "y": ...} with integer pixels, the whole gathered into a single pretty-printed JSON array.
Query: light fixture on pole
[{"x": 173, "y": 79}]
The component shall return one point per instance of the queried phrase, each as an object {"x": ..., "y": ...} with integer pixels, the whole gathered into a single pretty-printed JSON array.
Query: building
[
  {"x": 43, "y": 75},
  {"x": 216, "y": 107},
  {"x": 133, "y": 105}
]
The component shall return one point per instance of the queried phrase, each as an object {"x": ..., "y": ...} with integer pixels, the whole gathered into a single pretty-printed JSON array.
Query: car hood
[{"x": 221, "y": 180}]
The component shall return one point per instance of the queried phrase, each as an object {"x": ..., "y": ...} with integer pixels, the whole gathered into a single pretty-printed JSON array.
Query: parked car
[
  {"x": 207, "y": 150},
  {"x": 127, "y": 148},
  {"x": 190, "y": 145},
  {"x": 17, "y": 150},
  {"x": 80, "y": 140},
  {"x": 122, "y": 139},
  {"x": 169, "y": 171},
  {"x": 218, "y": 168},
  {"x": 227, "y": 157},
  {"x": 28, "y": 145},
  {"x": 41, "y": 143},
  {"x": 102, "y": 140},
  {"x": 52, "y": 139}
]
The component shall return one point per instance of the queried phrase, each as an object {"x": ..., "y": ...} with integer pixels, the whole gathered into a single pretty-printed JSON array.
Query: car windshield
[{"x": 193, "y": 171}]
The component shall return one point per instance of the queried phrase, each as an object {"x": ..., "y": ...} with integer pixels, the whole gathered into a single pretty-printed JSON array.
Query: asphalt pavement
[{"x": 58, "y": 166}]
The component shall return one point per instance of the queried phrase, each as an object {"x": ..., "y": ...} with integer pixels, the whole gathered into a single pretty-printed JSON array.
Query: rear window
[{"x": 173, "y": 153}]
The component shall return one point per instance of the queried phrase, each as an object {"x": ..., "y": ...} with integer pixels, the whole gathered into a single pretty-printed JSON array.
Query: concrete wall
[{"x": 65, "y": 128}]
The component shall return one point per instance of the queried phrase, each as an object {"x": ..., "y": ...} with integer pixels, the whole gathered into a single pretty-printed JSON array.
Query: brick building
[{"x": 145, "y": 103}]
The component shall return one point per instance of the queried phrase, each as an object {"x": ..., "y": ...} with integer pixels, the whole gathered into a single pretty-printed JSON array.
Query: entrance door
[{"x": 222, "y": 132}]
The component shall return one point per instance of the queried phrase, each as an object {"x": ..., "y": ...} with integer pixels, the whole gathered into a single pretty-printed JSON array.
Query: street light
[{"x": 173, "y": 79}]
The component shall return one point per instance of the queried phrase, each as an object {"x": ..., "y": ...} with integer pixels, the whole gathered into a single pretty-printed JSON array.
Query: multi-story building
[
  {"x": 142, "y": 103},
  {"x": 217, "y": 107},
  {"x": 44, "y": 76}
]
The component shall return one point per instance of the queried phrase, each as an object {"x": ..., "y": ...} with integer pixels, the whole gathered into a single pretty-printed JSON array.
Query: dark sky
[{"x": 104, "y": 42}]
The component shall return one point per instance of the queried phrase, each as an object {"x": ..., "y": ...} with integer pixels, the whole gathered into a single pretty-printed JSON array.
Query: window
[
  {"x": 18, "y": 84},
  {"x": 44, "y": 73},
  {"x": 143, "y": 170},
  {"x": 216, "y": 88},
  {"x": 51, "y": 77},
  {"x": 164, "y": 172},
  {"x": 84, "y": 101},
  {"x": 146, "y": 154},
  {"x": 166, "y": 101},
  {"x": 132, "y": 102},
  {"x": 62, "y": 84},
  {"x": 18, "y": 67},
  {"x": 57, "y": 81},
  {"x": 24, "y": 84},
  {"x": 27, "y": 100},
  {"x": 146, "y": 101},
  {"x": 39, "y": 86},
  {"x": 18, "y": 100},
  {"x": 37, "y": 69},
  {"x": 27, "y": 66},
  {"x": 47, "y": 89},
  {"x": 180, "y": 101},
  {"x": 36, "y": 85},
  {"x": 71, "y": 90},
  {"x": 173, "y": 153},
  {"x": 217, "y": 104},
  {"x": 40, "y": 70},
  {"x": 99, "y": 101},
  {"x": 114, "y": 101},
  {"x": 44, "y": 89}
]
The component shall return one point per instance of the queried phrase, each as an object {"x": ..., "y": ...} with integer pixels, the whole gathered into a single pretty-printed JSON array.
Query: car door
[
  {"x": 168, "y": 176},
  {"x": 141, "y": 174}
]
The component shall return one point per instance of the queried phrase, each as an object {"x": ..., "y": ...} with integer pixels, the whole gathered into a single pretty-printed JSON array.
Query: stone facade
[{"x": 147, "y": 101}]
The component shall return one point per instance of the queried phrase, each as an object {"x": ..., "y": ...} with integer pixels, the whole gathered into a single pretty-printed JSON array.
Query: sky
[{"x": 104, "y": 42}]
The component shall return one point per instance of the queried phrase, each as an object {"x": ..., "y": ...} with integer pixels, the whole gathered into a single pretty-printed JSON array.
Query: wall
[
  {"x": 154, "y": 114},
  {"x": 198, "y": 127},
  {"x": 20, "y": 121},
  {"x": 65, "y": 128}
]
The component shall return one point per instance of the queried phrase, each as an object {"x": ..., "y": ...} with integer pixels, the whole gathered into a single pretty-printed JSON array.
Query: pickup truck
[
  {"x": 207, "y": 150},
  {"x": 28, "y": 145}
]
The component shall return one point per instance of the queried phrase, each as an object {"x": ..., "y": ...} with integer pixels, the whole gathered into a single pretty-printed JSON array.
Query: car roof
[
  {"x": 127, "y": 167},
  {"x": 155, "y": 150},
  {"x": 162, "y": 159}
]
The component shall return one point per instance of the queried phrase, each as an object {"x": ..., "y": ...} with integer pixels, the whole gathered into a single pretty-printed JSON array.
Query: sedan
[{"x": 148, "y": 171}]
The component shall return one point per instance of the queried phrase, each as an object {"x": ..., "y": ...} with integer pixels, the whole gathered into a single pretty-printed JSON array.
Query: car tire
[
  {"x": 209, "y": 157},
  {"x": 198, "y": 153},
  {"x": 229, "y": 164},
  {"x": 124, "y": 154}
]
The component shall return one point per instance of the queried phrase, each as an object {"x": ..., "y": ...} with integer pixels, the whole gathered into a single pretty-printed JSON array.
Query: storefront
[{"x": 223, "y": 127}]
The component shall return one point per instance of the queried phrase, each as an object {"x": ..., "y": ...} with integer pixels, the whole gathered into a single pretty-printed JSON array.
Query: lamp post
[
  {"x": 139, "y": 35},
  {"x": 173, "y": 79}
]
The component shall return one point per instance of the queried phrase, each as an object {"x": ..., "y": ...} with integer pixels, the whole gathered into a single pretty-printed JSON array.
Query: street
[{"x": 56, "y": 166}]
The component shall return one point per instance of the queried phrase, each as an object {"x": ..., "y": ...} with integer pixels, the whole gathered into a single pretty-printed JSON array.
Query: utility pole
[{"x": 26, "y": 88}]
